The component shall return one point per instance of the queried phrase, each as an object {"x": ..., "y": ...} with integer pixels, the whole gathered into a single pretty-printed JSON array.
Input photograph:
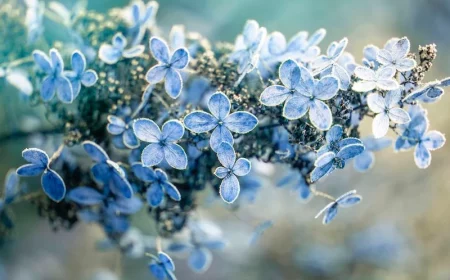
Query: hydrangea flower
[
  {"x": 431, "y": 91},
  {"x": 247, "y": 47},
  {"x": 335, "y": 140},
  {"x": 415, "y": 135},
  {"x": 220, "y": 121},
  {"x": 142, "y": 15},
  {"x": 168, "y": 67},
  {"x": 162, "y": 267},
  {"x": 329, "y": 161},
  {"x": 162, "y": 143},
  {"x": 79, "y": 75},
  {"x": 395, "y": 54},
  {"x": 366, "y": 159},
  {"x": 111, "y": 54},
  {"x": 118, "y": 127},
  {"x": 346, "y": 200},
  {"x": 107, "y": 172},
  {"x": 230, "y": 188},
  {"x": 386, "y": 108},
  {"x": 55, "y": 81},
  {"x": 39, "y": 162},
  {"x": 303, "y": 93},
  {"x": 370, "y": 54},
  {"x": 382, "y": 79},
  {"x": 334, "y": 51},
  {"x": 10, "y": 189},
  {"x": 159, "y": 184}
]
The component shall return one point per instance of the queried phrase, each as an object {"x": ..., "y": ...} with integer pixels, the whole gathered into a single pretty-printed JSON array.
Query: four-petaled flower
[
  {"x": 382, "y": 79},
  {"x": 142, "y": 16},
  {"x": 346, "y": 200},
  {"x": 107, "y": 172},
  {"x": 220, "y": 120},
  {"x": 414, "y": 134},
  {"x": 168, "y": 67},
  {"x": 162, "y": 267},
  {"x": 79, "y": 75},
  {"x": 55, "y": 81},
  {"x": 230, "y": 188},
  {"x": 329, "y": 161},
  {"x": 334, "y": 51},
  {"x": 161, "y": 142},
  {"x": 386, "y": 108},
  {"x": 110, "y": 54},
  {"x": 247, "y": 47},
  {"x": 159, "y": 184},
  {"x": 395, "y": 54},
  {"x": 335, "y": 140},
  {"x": 39, "y": 162},
  {"x": 303, "y": 93},
  {"x": 366, "y": 159},
  {"x": 117, "y": 126}
]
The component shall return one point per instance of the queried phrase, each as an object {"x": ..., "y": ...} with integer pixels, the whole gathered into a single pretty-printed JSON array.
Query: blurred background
[{"x": 400, "y": 231}]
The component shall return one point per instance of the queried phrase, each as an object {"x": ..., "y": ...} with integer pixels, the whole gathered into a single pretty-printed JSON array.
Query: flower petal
[
  {"x": 276, "y": 43},
  {"x": 53, "y": 185},
  {"x": 144, "y": 173},
  {"x": 115, "y": 125},
  {"x": 155, "y": 195},
  {"x": 240, "y": 122},
  {"x": 89, "y": 78},
  {"x": 433, "y": 140},
  {"x": 147, "y": 130},
  {"x": 180, "y": 58},
  {"x": 219, "y": 105},
  {"x": 48, "y": 88},
  {"x": 326, "y": 88},
  {"x": 200, "y": 259},
  {"x": 119, "y": 185},
  {"x": 322, "y": 171},
  {"x": 133, "y": 51},
  {"x": 330, "y": 214},
  {"x": 152, "y": 155},
  {"x": 324, "y": 159},
  {"x": 64, "y": 90},
  {"x": 376, "y": 103},
  {"x": 43, "y": 61},
  {"x": 57, "y": 61},
  {"x": 172, "y": 191},
  {"x": 422, "y": 156},
  {"x": 172, "y": 130},
  {"x": 400, "y": 49},
  {"x": 320, "y": 115},
  {"x": 380, "y": 125},
  {"x": 289, "y": 74},
  {"x": 229, "y": 188},
  {"x": 296, "y": 107},
  {"x": 364, "y": 161},
  {"x": 221, "y": 172},
  {"x": 175, "y": 156},
  {"x": 173, "y": 83},
  {"x": 156, "y": 74},
  {"x": 159, "y": 49},
  {"x": 220, "y": 134},
  {"x": 30, "y": 170},
  {"x": 95, "y": 151},
  {"x": 274, "y": 95},
  {"x": 350, "y": 151},
  {"x": 365, "y": 73},
  {"x": 398, "y": 115},
  {"x": 364, "y": 86},
  {"x": 36, "y": 156},
  {"x": 129, "y": 139},
  {"x": 242, "y": 167},
  {"x": 85, "y": 196},
  {"x": 335, "y": 133},
  {"x": 109, "y": 54},
  {"x": 199, "y": 122},
  {"x": 406, "y": 64},
  {"x": 119, "y": 41},
  {"x": 343, "y": 76},
  {"x": 392, "y": 98},
  {"x": 78, "y": 62}
]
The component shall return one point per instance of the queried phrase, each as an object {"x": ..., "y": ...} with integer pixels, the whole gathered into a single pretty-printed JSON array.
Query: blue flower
[
  {"x": 162, "y": 267},
  {"x": 220, "y": 121},
  {"x": 79, "y": 75},
  {"x": 247, "y": 47},
  {"x": 111, "y": 54},
  {"x": 10, "y": 189},
  {"x": 430, "y": 92},
  {"x": 370, "y": 54},
  {"x": 162, "y": 143},
  {"x": 386, "y": 108},
  {"x": 55, "y": 81},
  {"x": 415, "y": 135},
  {"x": 346, "y": 200},
  {"x": 329, "y": 161},
  {"x": 395, "y": 54},
  {"x": 142, "y": 16},
  {"x": 107, "y": 172},
  {"x": 39, "y": 162},
  {"x": 118, "y": 127},
  {"x": 366, "y": 159},
  {"x": 159, "y": 184},
  {"x": 302, "y": 93},
  {"x": 230, "y": 188},
  {"x": 335, "y": 140},
  {"x": 382, "y": 79},
  {"x": 168, "y": 68}
]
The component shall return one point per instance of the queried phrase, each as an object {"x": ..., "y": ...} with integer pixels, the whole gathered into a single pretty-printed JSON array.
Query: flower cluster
[{"x": 163, "y": 118}]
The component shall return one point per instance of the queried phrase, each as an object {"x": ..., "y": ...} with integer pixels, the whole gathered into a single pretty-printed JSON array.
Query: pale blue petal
[
  {"x": 342, "y": 75},
  {"x": 219, "y": 135},
  {"x": 320, "y": 115},
  {"x": 289, "y": 74},
  {"x": 152, "y": 155},
  {"x": 376, "y": 103},
  {"x": 322, "y": 171},
  {"x": 373, "y": 144},
  {"x": 156, "y": 74},
  {"x": 240, "y": 122},
  {"x": 219, "y": 105},
  {"x": 133, "y": 51},
  {"x": 226, "y": 155},
  {"x": 115, "y": 125},
  {"x": 175, "y": 156},
  {"x": 11, "y": 186},
  {"x": 306, "y": 84},
  {"x": 119, "y": 185},
  {"x": 160, "y": 50},
  {"x": 144, "y": 173},
  {"x": 324, "y": 159},
  {"x": 173, "y": 83},
  {"x": 53, "y": 185},
  {"x": 89, "y": 78},
  {"x": 161, "y": 176},
  {"x": 129, "y": 139},
  {"x": 433, "y": 140},
  {"x": 109, "y": 54},
  {"x": 398, "y": 115},
  {"x": 199, "y": 122},
  {"x": 172, "y": 130},
  {"x": 334, "y": 134},
  {"x": 229, "y": 188},
  {"x": 172, "y": 191},
  {"x": 78, "y": 62},
  {"x": 326, "y": 88},
  {"x": 274, "y": 95},
  {"x": 126, "y": 206},
  {"x": 43, "y": 61},
  {"x": 349, "y": 201},
  {"x": 380, "y": 125},
  {"x": 296, "y": 107},
  {"x": 166, "y": 261},
  {"x": 330, "y": 214},
  {"x": 155, "y": 195},
  {"x": 101, "y": 172},
  {"x": 221, "y": 172},
  {"x": 48, "y": 88},
  {"x": 64, "y": 90},
  {"x": 36, "y": 156},
  {"x": 276, "y": 43},
  {"x": 179, "y": 59},
  {"x": 350, "y": 151},
  {"x": 85, "y": 196},
  {"x": 57, "y": 61},
  {"x": 119, "y": 41},
  {"x": 147, "y": 130},
  {"x": 29, "y": 170},
  {"x": 200, "y": 259},
  {"x": 422, "y": 156},
  {"x": 242, "y": 167},
  {"x": 95, "y": 151},
  {"x": 364, "y": 161},
  {"x": 348, "y": 141}
]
